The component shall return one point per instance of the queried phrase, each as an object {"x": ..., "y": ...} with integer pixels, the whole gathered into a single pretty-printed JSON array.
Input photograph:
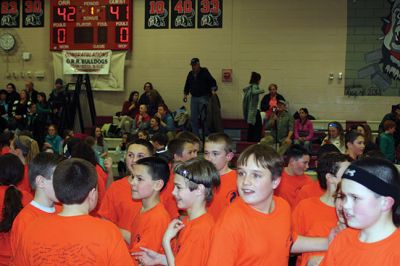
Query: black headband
[{"x": 371, "y": 182}]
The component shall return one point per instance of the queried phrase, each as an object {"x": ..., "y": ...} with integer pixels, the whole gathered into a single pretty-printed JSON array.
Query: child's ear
[
  {"x": 200, "y": 190},
  {"x": 158, "y": 185},
  {"x": 276, "y": 182},
  {"x": 229, "y": 156},
  {"x": 387, "y": 203},
  {"x": 39, "y": 180},
  {"x": 330, "y": 178}
]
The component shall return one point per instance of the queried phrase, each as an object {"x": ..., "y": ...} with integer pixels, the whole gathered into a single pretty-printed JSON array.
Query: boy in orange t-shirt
[
  {"x": 218, "y": 149},
  {"x": 293, "y": 177},
  {"x": 182, "y": 149},
  {"x": 150, "y": 175},
  {"x": 41, "y": 170},
  {"x": 118, "y": 205},
  {"x": 195, "y": 181},
  {"x": 316, "y": 216},
  {"x": 370, "y": 191},
  {"x": 73, "y": 237}
]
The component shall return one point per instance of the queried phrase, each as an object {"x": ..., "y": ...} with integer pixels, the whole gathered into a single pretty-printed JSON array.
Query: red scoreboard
[{"x": 90, "y": 25}]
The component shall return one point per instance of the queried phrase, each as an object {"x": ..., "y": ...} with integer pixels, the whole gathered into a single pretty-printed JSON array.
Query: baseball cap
[{"x": 194, "y": 61}]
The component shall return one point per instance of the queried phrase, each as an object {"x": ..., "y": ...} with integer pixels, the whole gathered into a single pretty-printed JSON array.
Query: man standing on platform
[{"x": 200, "y": 84}]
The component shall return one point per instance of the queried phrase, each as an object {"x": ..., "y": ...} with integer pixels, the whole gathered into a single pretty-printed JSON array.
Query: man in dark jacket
[{"x": 200, "y": 84}]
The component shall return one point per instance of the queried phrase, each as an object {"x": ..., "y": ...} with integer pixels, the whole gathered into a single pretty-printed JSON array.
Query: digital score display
[{"x": 90, "y": 25}]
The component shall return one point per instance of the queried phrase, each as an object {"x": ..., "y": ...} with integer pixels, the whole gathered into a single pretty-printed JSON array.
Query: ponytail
[{"x": 12, "y": 206}]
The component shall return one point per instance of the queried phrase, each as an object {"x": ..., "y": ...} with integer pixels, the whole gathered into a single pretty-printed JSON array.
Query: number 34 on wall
[{"x": 183, "y": 14}]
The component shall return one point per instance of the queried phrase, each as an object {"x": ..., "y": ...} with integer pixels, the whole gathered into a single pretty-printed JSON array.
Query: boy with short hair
[
  {"x": 41, "y": 170},
  {"x": 256, "y": 228},
  {"x": 386, "y": 140},
  {"x": 160, "y": 143},
  {"x": 117, "y": 205},
  {"x": 195, "y": 182},
  {"x": 316, "y": 216},
  {"x": 218, "y": 149},
  {"x": 72, "y": 236},
  {"x": 293, "y": 177},
  {"x": 150, "y": 175}
]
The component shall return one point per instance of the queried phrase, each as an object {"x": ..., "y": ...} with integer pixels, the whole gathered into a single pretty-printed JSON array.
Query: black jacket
[
  {"x": 201, "y": 84},
  {"x": 264, "y": 105}
]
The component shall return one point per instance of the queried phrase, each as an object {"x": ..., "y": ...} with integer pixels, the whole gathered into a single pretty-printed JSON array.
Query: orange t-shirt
[
  {"x": 26, "y": 216},
  {"x": 103, "y": 175},
  {"x": 346, "y": 249},
  {"x": 118, "y": 205},
  {"x": 101, "y": 186},
  {"x": 193, "y": 243},
  {"x": 73, "y": 240},
  {"x": 167, "y": 198},
  {"x": 148, "y": 229},
  {"x": 245, "y": 236},
  {"x": 224, "y": 194},
  {"x": 309, "y": 191},
  {"x": 24, "y": 184},
  {"x": 313, "y": 218},
  {"x": 290, "y": 186},
  {"x": 5, "y": 245}
]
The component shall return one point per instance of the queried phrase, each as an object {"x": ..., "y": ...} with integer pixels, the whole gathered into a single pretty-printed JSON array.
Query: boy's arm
[{"x": 309, "y": 244}]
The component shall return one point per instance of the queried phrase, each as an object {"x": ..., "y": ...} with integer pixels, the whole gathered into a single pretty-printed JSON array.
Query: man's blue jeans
[{"x": 196, "y": 105}]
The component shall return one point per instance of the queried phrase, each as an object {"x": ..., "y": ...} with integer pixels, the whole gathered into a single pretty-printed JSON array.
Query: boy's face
[
  {"x": 361, "y": 206},
  {"x": 216, "y": 154},
  {"x": 255, "y": 185},
  {"x": 189, "y": 152},
  {"x": 184, "y": 197},
  {"x": 143, "y": 186},
  {"x": 300, "y": 165},
  {"x": 134, "y": 153}
]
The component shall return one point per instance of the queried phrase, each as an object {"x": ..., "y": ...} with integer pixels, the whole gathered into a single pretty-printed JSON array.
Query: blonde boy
[
  {"x": 218, "y": 149},
  {"x": 150, "y": 175}
]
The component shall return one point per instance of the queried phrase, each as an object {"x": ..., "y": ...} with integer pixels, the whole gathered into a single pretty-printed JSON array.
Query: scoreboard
[{"x": 90, "y": 25}]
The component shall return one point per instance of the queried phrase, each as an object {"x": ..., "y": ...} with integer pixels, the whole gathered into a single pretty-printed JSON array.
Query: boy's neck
[
  {"x": 382, "y": 229},
  {"x": 42, "y": 199},
  {"x": 74, "y": 210},
  {"x": 197, "y": 210},
  {"x": 328, "y": 199},
  {"x": 225, "y": 170},
  {"x": 150, "y": 202}
]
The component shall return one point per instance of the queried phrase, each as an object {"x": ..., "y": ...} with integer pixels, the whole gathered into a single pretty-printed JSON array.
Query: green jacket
[{"x": 250, "y": 102}]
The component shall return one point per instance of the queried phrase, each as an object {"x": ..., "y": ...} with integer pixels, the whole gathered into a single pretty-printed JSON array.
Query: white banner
[
  {"x": 95, "y": 62},
  {"x": 114, "y": 81}
]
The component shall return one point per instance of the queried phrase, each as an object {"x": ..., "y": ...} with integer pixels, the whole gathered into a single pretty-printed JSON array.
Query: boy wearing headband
[
  {"x": 370, "y": 191},
  {"x": 187, "y": 242}
]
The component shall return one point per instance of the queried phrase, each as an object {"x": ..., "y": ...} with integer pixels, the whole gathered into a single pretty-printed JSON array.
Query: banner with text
[{"x": 95, "y": 62}]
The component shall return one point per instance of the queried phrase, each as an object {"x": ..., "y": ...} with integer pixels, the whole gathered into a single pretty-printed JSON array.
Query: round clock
[{"x": 7, "y": 42}]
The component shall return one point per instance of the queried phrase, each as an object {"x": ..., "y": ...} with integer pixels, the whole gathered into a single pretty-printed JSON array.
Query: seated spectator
[
  {"x": 394, "y": 115},
  {"x": 19, "y": 111},
  {"x": 155, "y": 100},
  {"x": 129, "y": 110},
  {"x": 121, "y": 151},
  {"x": 155, "y": 126},
  {"x": 143, "y": 134},
  {"x": 43, "y": 110},
  {"x": 57, "y": 100},
  {"x": 270, "y": 100},
  {"x": 354, "y": 145},
  {"x": 166, "y": 119},
  {"x": 335, "y": 136},
  {"x": 100, "y": 146},
  {"x": 365, "y": 130},
  {"x": 144, "y": 98},
  {"x": 303, "y": 130},
  {"x": 12, "y": 96},
  {"x": 281, "y": 125},
  {"x": 160, "y": 142},
  {"x": 142, "y": 119},
  {"x": 386, "y": 140},
  {"x": 3, "y": 110},
  {"x": 53, "y": 140}
]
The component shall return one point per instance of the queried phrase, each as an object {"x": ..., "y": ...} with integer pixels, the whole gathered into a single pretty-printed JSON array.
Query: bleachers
[{"x": 237, "y": 130}]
